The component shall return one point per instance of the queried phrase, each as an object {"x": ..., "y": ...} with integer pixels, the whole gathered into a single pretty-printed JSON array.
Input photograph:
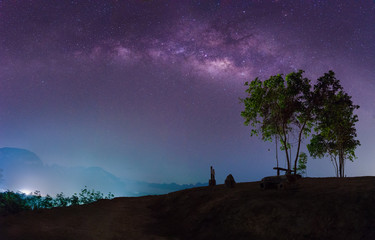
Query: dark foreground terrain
[{"x": 319, "y": 208}]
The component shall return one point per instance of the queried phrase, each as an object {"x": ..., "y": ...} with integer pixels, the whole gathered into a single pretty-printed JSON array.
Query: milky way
[{"x": 149, "y": 90}]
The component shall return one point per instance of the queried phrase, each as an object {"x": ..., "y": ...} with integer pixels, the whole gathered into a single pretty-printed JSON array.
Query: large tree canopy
[
  {"x": 335, "y": 130},
  {"x": 288, "y": 108},
  {"x": 280, "y": 107}
]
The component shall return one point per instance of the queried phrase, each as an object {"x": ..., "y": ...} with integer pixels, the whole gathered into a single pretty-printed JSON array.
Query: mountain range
[{"x": 23, "y": 170}]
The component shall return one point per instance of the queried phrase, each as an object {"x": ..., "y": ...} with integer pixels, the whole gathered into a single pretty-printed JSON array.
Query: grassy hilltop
[{"x": 320, "y": 208}]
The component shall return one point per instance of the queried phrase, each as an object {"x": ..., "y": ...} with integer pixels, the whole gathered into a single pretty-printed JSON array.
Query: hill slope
[{"x": 320, "y": 208}]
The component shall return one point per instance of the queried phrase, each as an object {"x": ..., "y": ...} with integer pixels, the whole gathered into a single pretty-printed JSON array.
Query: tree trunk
[
  {"x": 286, "y": 148},
  {"x": 341, "y": 162},
  {"x": 298, "y": 147},
  {"x": 287, "y": 156},
  {"x": 277, "y": 158},
  {"x": 335, "y": 165}
]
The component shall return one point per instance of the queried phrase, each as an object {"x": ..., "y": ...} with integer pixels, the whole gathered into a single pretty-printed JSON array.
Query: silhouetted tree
[
  {"x": 335, "y": 123},
  {"x": 280, "y": 107}
]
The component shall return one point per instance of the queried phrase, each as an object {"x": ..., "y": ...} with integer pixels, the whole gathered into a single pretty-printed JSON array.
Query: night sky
[{"x": 149, "y": 90}]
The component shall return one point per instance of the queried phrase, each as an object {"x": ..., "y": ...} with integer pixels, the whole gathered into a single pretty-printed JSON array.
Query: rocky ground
[{"x": 317, "y": 208}]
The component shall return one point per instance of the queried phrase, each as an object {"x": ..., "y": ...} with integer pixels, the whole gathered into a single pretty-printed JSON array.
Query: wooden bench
[{"x": 287, "y": 172}]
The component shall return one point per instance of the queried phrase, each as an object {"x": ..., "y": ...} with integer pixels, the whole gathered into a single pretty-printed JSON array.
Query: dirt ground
[{"x": 317, "y": 208}]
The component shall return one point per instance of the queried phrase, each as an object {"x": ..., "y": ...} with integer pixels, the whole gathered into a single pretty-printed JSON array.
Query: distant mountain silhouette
[
  {"x": 23, "y": 169},
  {"x": 9, "y": 157}
]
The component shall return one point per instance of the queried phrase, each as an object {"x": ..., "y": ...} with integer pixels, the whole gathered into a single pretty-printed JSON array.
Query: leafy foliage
[
  {"x": 302, "y": 161},
  {"x": 280, "y": 107},
  {"x": 34, "y": 200},
  {"x": 11, "y": 202},
  {"x": 74, "y": 200},
  {"x": 88, "y": 196},
  {"x": 289, "y": 109},
  {"x": 335, "y": 124},
  {"x": 61, "y": 200}
]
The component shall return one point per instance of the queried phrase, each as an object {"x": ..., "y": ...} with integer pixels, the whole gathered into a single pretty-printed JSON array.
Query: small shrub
[
  {"x": 88, "y": 196},
  {"x": 61, "y": 200},
  {"x": 11, "y": 202},
  {"x": 47, "y": 202},
  {"x": 74, "y": 200},
  {"x": 34, "y": 200}
]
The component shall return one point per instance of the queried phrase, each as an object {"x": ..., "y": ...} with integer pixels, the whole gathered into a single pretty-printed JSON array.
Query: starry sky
[{"x": 149, "y": 90}]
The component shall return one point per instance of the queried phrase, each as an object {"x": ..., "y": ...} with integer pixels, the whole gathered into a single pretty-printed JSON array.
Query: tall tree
[
  {"x": 281, "y": 107},
  {"x": 335, "y": 130}
]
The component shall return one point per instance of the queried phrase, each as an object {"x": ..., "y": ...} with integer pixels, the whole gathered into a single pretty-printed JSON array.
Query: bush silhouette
[{"x": 13, "y": 202}]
